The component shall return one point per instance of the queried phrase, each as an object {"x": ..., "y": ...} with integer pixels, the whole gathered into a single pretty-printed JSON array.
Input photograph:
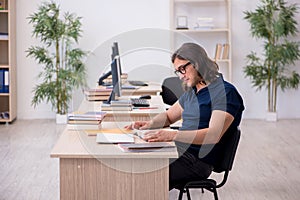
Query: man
[{"x": 210, "y": 109}]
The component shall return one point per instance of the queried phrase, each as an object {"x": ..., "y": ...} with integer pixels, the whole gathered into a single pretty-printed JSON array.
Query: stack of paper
[{"x": 114, "y": 138}]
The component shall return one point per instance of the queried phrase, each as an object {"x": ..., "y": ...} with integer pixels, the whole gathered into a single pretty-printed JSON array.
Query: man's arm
[
  {"x": 164, "y": 119},
  {"x": 219, "y": 123}
]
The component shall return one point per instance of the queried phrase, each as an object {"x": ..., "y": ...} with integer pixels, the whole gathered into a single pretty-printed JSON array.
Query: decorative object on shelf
[
  {"x": 182, "y": 22},
  {"x": 63, "y": 68},
  {"x": 274, "y": 22}
]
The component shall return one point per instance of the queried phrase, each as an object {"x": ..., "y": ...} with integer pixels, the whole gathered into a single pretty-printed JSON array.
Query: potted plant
[
  {"x": 63, "y": 68},
  {"x": 274, "y": 22}
]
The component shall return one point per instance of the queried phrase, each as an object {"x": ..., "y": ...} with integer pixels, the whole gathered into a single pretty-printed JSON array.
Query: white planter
[
  {"x": 61, "y": 119},
  {"x": 271, "y": 116}
]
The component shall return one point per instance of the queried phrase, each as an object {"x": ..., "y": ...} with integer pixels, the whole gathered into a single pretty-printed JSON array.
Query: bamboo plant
[
  {"x": 273, "y": 22},
  {"x": 62, "y": 67}
]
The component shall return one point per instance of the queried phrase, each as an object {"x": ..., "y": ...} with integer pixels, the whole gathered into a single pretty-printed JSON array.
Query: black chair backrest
[
  {"x": 171, "y": 90},
  {"x": 228, "y": 157}
]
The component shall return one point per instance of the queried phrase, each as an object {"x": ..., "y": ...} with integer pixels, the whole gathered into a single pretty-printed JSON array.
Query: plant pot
[
  {"x": 271, "y": 116},
  {"x": 61, "y": 119}
]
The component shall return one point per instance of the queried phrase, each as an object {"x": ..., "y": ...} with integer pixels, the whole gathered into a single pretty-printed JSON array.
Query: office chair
[
  {"x": 171, "y": 90},
  {"x": 224, "y": 166}
]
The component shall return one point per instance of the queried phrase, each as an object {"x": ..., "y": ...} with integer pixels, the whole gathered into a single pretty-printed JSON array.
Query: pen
[{"x": 145, "y": 108}]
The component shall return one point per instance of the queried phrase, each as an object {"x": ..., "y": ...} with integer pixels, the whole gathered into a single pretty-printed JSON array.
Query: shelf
[
  {"x": 203, "y": 30},
  {"x": 200, "y": 1},
  {"x": 8, "y": 100},
  {"x": 203, "y": 2},
  {"x": 209, "y": 24}
]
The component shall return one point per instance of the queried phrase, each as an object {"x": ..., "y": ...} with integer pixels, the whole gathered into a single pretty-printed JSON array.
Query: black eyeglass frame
[{"x": 181, "y": 69}]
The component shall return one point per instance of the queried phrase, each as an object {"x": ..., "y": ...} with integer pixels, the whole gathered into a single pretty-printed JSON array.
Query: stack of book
[
  {"x": 222, "y": 51},
  {"x": 204, "y": 23},
  {"x": 4, "y": 81},
  {"x": 97, "y": 94},
  {"x": 118, "y": 105},
  {"x": 86, "y": 118}
]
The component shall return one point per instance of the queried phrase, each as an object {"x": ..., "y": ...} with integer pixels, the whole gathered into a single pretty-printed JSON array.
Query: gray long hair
[{"x": 207, "y": 68}]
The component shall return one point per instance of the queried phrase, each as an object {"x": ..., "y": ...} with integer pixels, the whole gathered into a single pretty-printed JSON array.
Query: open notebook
[{"x": 114, "y": 138}]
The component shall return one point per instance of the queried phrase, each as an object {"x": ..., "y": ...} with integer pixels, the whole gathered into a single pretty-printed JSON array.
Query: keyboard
[
  {"x": 137, "y": 83},
  {"x": 136, "y": 102}
]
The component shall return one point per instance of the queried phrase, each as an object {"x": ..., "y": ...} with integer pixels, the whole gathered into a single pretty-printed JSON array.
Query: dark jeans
[{"x": 187, "y": 168}]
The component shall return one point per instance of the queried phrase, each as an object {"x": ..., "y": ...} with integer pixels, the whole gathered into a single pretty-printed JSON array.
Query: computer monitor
[
  {"x": 116, "y": 78},
  {"x": 115, "y": 52}
]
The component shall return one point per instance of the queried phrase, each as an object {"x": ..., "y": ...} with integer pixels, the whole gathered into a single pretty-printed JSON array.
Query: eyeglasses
[{"x": 181, "y": 69}]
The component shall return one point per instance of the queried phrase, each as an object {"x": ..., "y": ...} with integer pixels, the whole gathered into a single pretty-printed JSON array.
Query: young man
[{"x": 210, "y": 109}]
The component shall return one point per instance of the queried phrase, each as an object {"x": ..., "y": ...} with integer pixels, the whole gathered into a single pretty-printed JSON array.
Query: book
[
  {"x": 91, "y": 132},
  {"x": 87, "y": 122},
  {"x": 218, "y": 51},
  {"x": 97, "y": 98},
  {"x": 108, "y": 107},
  {"x": 4, "y": 81},
  {"x": 147, "y": 147},
  {"x": 122, "y": 103},
  {"x": 98, "y": 92},
  {"x": 225, "y": 52},
  {"x": 83, "y": 127}
]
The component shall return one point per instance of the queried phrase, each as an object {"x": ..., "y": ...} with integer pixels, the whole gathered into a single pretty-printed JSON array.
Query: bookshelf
[
  {"x": 208, "y": 24},
  {"x": 8, "y": 92}
]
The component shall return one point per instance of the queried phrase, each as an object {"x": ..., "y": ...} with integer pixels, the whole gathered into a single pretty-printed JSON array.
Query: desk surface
[{"x": 77, "y": 144}]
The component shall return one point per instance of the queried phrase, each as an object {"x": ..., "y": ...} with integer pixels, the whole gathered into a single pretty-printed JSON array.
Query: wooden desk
[
  {"x": 134, "y": 115},
  {"x": 102, "y": 171}
]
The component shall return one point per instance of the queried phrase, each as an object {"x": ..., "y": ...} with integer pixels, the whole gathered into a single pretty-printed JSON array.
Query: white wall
[{"x": 141, "y": 28}]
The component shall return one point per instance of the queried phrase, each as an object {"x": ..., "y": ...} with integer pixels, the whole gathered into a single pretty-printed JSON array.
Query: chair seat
[{"x": 202, "y": 184}]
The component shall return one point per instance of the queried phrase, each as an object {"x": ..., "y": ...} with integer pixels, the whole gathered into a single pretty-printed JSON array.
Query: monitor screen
[
  {"x": 116, "y": 76},
  {"x": 115, "y": 52}
]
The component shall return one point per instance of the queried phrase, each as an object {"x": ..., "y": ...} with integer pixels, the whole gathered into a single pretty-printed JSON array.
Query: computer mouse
[{"x": 145, "y": 97}]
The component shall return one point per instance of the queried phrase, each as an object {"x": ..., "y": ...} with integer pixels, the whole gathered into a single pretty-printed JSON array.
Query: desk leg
[{"x": 135, "y": 179}]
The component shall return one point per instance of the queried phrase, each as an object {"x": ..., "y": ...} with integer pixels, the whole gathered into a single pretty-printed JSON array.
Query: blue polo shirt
[{"x": 197, "y": 109}]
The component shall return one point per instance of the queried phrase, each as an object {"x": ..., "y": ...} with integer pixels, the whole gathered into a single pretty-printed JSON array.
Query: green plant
[
  {"x": 63, "y": 68},
  {"x": 274, "y": 23}
]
